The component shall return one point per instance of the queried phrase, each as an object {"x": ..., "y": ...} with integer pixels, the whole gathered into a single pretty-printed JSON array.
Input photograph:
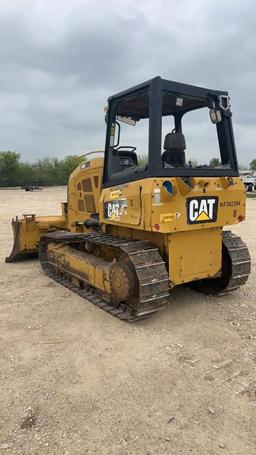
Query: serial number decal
[
  {"x": 229, "y": 203},
  {"x": 202, "y": 209},
  {"x": 115, "y": 209}
]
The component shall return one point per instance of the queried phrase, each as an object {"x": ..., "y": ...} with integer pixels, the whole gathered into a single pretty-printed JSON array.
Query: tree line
[
  {"x": 50, "y": 171},
  {"x": 44, "y": 172}
]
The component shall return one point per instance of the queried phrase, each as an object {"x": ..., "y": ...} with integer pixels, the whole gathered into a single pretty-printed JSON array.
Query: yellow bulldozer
[{"x": 147, "y": 213}]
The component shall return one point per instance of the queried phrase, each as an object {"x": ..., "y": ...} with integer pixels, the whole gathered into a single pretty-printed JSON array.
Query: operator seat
[
  {"x": 128, "y": 158},
  {"x": 174, "y": 149}
]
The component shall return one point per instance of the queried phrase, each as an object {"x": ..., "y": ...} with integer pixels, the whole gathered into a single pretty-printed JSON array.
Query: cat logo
[{"x": 202, "y": 209}]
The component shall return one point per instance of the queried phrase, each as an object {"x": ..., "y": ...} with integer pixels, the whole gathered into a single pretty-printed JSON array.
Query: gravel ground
[{"x": 75, "y": 380}]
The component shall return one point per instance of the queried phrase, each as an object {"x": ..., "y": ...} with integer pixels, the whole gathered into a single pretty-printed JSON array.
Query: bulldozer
[{"x": 148, "y": 212}]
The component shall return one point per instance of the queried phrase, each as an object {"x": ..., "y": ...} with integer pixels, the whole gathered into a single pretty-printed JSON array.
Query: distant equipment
[
  {"x": 249, "y": 180},
  {"x": 31, "y": 188}
]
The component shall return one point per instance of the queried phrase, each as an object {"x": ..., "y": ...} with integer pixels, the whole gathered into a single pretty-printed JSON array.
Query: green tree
[
  {"x": 9, "y": 168},
  {"x": 214, "y": 162},
  {"x": 253, "y": 165},
  {"x": 142, "y": 160},
  {"x": 68, "y": 165},
  {"x": 27, "y": 175},
  {"x": 47, "y": 171}
]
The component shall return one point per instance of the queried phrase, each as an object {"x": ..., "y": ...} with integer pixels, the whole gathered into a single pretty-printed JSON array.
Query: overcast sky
[{"x": 61, "y": 59}]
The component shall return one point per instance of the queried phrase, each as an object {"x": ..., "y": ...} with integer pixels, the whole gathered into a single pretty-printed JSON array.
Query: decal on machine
[
  {"x": 115, "y": 194},
  {"x": 167, "y": 217},
  {"x": 113, "y": 210},
  {"x": 202, "y": 209},
  {"x": 85, "y": 165},
  {"x": 230, "y": 203}
]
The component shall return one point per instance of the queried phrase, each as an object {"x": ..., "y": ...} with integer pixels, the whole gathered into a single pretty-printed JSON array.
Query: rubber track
[{"x": 150, "y": 269}]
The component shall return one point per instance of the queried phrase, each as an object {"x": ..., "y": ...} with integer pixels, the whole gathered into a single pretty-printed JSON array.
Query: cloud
[{"x": 61, "y": 60}]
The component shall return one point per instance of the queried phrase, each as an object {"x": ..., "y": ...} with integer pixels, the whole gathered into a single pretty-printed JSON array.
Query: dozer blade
[{"x": 27, "y": 233}]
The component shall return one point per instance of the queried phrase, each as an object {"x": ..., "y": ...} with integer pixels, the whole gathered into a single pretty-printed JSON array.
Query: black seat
[
  {"x": 128, "y": 158},
  {"x": 174, "y": 149}
]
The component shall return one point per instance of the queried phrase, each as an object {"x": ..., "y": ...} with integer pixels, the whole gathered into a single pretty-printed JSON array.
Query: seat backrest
[
  {"x": 174, "y": 146},
  {"x": 175, "y": 141}
]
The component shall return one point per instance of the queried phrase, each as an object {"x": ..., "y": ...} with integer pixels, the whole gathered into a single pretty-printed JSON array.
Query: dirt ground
[{"x": 75, "y": 380}]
